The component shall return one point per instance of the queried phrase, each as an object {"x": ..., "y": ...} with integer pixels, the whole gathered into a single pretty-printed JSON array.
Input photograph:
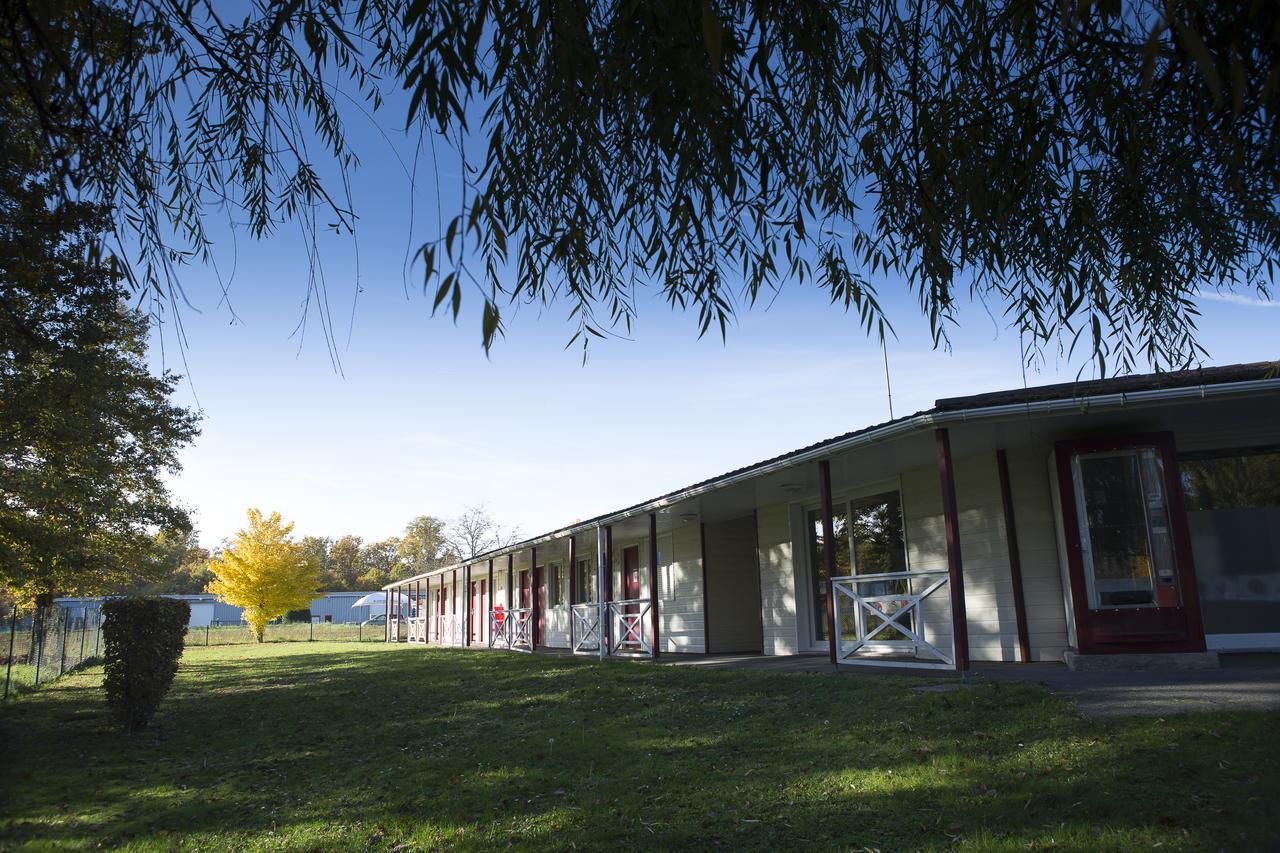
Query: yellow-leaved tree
[{"x": 265, "y": 572}]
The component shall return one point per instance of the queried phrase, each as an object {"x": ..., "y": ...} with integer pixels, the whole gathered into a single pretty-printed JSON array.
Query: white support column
[{"x": 600, "y": 569}]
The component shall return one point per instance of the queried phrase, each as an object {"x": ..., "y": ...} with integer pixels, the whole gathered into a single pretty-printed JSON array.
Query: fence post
[
  {"x": 13, "y": 631},
  {"x": 359, "y": 632},
  {"x": 84, "y": 624},
  {"x": 97, "y": 633},
  {"x": 206, "y": 635},
  {"x": 62, "y": 649},
  {"x": 37, "y": 633},
  {"x": 311, "y": 631}
]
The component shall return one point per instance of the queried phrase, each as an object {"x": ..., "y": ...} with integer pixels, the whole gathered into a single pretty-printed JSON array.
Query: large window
[
  {"x": 1233, "y": 514},
  {"x": 1127, "y": 549},
  {"x": 586, "y": 591},
  {"x": 868, "y": 540},
  {"x": 555, "y": 595}
]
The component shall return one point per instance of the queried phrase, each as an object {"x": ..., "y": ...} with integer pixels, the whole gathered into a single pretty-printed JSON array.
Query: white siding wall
[
  {"x": 777, "y": 580},
  {"x": 680, "y": 602},
  {"x": 988, "y": 584},
  {"x": 1038, "y": 552}
]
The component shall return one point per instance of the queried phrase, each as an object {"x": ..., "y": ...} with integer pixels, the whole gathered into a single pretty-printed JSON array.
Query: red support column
[
  {"x": 959, "y": 623},
  {"x": 453, "y": 600},
  {"x": 386, "y": 623},
  {"x": 535, "y": 612},
  {"x": 511, "y": 572},
  {"x": 828, "y": 553},
  {"x": 1015, "y": 560},
  {"x": 653, "y": 583},
  {"x": 488, "y": 620}
]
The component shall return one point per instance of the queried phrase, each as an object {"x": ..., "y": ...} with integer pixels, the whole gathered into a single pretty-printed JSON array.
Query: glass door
[{"x": 1129, "y": 561}]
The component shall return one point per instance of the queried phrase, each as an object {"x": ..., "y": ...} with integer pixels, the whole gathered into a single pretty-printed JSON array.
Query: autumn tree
[
  {"x": 1083, "y": 168},
  {"x": 264, "y": 572}
]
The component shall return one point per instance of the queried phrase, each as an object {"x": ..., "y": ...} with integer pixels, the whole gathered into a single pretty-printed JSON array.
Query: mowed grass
[{"x": 321, "y": 746}]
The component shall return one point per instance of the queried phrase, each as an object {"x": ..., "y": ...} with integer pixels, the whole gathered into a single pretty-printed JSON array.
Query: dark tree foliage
[
  {"x": 1084, "y": 167},
  {"x": 87, "y": 432},
  {"x": 144, "y": 639}
]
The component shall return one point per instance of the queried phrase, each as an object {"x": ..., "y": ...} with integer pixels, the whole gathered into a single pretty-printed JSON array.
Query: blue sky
[{"x": 419, "y": 421}]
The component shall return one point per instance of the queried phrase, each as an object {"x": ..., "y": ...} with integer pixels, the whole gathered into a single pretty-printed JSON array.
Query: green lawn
[{"x": 323, "y": 745}]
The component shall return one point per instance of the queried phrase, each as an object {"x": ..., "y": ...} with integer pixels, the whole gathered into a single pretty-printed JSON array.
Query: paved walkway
[{"x": 1244, "y": 682}]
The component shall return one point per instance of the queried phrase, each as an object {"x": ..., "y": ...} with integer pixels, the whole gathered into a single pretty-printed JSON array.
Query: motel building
[{"x": 1135, "y": 516}]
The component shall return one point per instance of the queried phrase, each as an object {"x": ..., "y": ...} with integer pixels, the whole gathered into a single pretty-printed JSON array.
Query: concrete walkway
[{"x": 1244, "y": 681}]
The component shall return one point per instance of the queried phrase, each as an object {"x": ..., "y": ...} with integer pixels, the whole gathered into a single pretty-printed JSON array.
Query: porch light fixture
[
  {"x": 688, "y": 517},
  {"x": 793, "y": 488}
]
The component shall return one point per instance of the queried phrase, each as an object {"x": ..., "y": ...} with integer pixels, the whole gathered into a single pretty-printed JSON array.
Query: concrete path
[{"x": 1244, "y": 681}]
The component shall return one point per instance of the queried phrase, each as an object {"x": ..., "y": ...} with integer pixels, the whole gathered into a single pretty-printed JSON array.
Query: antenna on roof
[{"x": 884, "y": 351}]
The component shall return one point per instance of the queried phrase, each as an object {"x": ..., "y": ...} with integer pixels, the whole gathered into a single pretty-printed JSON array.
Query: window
[
  {"x": 586, "y": 581},
  {"x": 555, "y": 596},
  {"x": 869, "y": 540},
  {"x": 1233, "y": 515}
]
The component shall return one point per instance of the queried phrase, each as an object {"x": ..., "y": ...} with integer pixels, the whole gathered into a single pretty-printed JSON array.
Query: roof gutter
[{"x": 890, "y": 431}]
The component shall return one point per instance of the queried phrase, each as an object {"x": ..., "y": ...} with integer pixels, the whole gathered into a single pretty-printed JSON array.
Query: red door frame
[
  {"x": 1138, "y": 629},
  {"x": 631, "y": 575}
]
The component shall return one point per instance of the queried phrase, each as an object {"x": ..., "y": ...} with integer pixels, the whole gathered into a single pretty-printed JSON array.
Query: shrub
[
  {"x": 302, "y": 615},
  {"x": 144, "y": 639}
]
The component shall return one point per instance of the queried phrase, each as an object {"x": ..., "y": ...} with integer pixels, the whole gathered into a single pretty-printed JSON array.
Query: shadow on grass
[{"x": 356, "y": 746}]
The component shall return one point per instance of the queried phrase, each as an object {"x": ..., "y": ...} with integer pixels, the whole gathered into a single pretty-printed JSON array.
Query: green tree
[
  {"x": 87, "y": 433},
  {"x": 380, "y": 563},
  {"x": 185, "y": 567},
  {"x": 1084, "y": 168},
  {"x": 345, "y": 567},
  {"x": 423, "y": 546},
  {"x": 317, "y": 550}
]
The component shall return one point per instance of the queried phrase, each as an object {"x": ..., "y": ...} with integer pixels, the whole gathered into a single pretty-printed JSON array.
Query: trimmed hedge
[
  {"x": 300, "y": 615},
  {"x": 144, "y": 639}
]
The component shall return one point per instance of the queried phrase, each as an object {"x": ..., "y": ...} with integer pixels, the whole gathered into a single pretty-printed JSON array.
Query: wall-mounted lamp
[
  {"x": 688, "y": 517},
  {"x": 793, "y": 488}
]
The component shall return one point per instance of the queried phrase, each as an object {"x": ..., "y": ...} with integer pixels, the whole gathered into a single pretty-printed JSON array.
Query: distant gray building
[{"x": 210, "y": 610}]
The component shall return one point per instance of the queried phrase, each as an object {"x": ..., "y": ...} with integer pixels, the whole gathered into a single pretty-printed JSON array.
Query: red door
[
  {"x": 1129, "y": 562},
  {"x": 474, "y": 611},
  {"x": 631, "y": 575},
  {"x": 479, "y": 610},
  {"x": 540, "y": 585},
  {"x": 630, "y": 591},
  {"x": 524, "y": 588},
  {"x": 440, "y": 613}
]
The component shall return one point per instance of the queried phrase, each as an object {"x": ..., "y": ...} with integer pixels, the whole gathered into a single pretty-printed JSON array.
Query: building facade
[{"x": 1133, "y": 515}]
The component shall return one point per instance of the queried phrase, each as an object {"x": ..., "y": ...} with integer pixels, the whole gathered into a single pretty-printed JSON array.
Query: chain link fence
[
  {"x": 41, "y": 644},
  {"x": 286, "y": 632}
]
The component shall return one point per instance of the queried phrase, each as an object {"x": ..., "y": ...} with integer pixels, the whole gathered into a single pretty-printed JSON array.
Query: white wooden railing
[
  {"x": 628, "y": 623},
  {"x": 521, "y": 619},
  {"x": 585, "y": 630},
  {"x": 879, "y": 629},
  {"x": 448, "y": 629},
  {"x": 499, "y": 629},
  {"x": 417, "y": 629}
]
